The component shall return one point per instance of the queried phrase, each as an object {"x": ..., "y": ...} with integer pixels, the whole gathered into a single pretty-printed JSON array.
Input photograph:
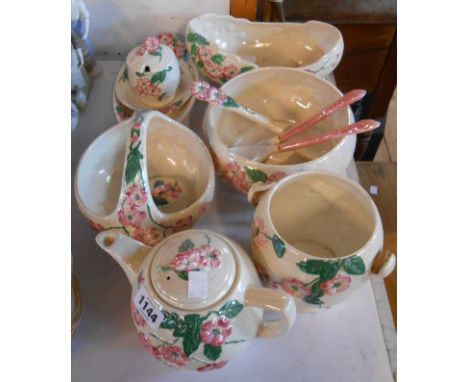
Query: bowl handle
[
  {"x": 274, "y": 301},
  {"x": 383, "y": 264},
  {"x": 257, "y": 190}
]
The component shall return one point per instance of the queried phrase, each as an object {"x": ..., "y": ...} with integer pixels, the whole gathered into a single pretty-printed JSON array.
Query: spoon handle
[
  {"x": 203, "y": 91},
  {"x": 356, "y": 128},
  {"x": 348, "y": 99}
]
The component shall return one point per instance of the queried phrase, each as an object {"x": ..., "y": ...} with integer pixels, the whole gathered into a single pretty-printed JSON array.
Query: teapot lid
[
  {"x": 182, "y": 255},
  {"x": 150, "y": 55}
]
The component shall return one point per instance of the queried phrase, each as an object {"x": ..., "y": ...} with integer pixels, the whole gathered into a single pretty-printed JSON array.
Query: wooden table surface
[{"x": 384, "y": 176}]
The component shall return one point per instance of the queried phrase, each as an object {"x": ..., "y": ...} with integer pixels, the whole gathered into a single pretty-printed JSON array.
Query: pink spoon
[{"x": 265, "y": 151}]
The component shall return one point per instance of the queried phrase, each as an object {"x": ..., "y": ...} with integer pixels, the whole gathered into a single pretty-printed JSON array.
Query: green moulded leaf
[
  {"x": 194, "y": 50},
  {"x": 186, "y": 245},
  {"x": 329, "y": 270},
  {"x": 182, "y": 274},
  {"x": 256, "y": 175},
  {"x": 354, "y": 266},
  {"x": 133, "y": 165},
  {"x": 217, "y": 58},
  {"x": 180, "y": 328},
  {"x": 140, "y": 74},
  {"x": 310, "y": 299},
  {"x": 200, "y": 64},
  {"x": 312, "y": 267},
  {"x": 190, "y": 37},
  {"x": 231, "y": 309},
  {"x": 158, "y": 76},
  {"x": 278, "y": 246},
  {"x": 200, "y": 40},
  {"x": 191, "y": 340},
  {"x": 230, "y": 102},
  {"x": 212, "y": 352},
  {"x": 170, "y": 320},
  {"x": 246, "y": 69}
]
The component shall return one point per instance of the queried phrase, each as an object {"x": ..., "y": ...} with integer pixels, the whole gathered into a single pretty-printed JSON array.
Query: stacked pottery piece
[
  {"x": 316, "y": 236},
  {"x": 156, "y": 76}
]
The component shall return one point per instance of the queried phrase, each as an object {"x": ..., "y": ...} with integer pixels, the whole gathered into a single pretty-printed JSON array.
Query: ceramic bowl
[
  {"x": 153, "y": 72},
  {"x": 283, "y": 94},
  {"x": 318, "y": 237},
  {"x": 224, "y": 46},
  {"x": 149, "y": 177},
  {"x": 199, "y": 328}
]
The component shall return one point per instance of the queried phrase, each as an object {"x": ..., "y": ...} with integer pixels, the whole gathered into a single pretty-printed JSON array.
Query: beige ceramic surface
[
  {"x": 198, "y": 333},
  {"x": 282, "y": 94},
  {"x": 315, "y": 235},
  {"x": 147, "y": 64},
  {"x": 116, "y": 178},
  {"x": 239, "y": 45}
]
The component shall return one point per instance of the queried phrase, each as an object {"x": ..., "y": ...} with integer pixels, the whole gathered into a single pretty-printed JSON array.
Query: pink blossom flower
[
  {"x": 212, "y": 70},
  {"x": 95, "y": 226},
  {"x": 137, "y": 125},
  {"x": 186, "y": 261},
  {"x": 215, "y": 258},
  {"x": 136, "y": 195},
  {"x": 137, "y": 317},
  {"x": 151, "y": 43},
  {"x": 236, "y": 177},
  {"x": 276, "y": 176},
  {"x": 295, "y": 288},
  {"x": 141, "y": 51},
  {"x": 265, "y": 277},
  {"x": 217, "y": 96},
  {"x": 182, "y": 224},
  {"x": 144, "y": 340},
  {"x": 149, "y": 236},
  {"x": 172, "y": 355},
  {"x": 200, "y": 89},
  {"x": 258, "y": 232},
  {"x": 167, "y": 190},
  {"x": 143, "y": 85},
  {"x": 141, "y": 279},
  {"x": 215, "y": 331},
  {"x": 230, "y": 71},
  {"x": 154, "y": 90},
  {"x": 337, "y": 284},
  {"x": 166, "y": 38},
  {"x": 204, "y": 54},
  {"x": 130, "y": 215},
  {"x": 212, "y": 366}
]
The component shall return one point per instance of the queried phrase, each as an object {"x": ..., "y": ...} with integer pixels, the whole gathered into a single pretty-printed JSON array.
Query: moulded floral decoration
[
  {"x": 150, "y": 45},
  {"x": 216, "y": 331},
  {"x": 212, "y": 366},
  {"x": 138, "y": 319},
  {"x": 171, "y": 355}
]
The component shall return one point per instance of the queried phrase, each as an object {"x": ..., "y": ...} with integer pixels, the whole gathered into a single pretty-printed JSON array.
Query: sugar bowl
[
  {"x": 196, "y": 298},
  {"x": 317, "y": 236}
]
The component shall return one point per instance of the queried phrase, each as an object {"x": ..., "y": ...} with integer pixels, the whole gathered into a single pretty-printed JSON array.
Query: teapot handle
[{"x": 274, "y": 301}]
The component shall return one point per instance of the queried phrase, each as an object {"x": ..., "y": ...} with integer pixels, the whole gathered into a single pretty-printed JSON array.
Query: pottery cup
[
  {"x": 317, "y": 236},
  {"x": 153, "y": 72}
]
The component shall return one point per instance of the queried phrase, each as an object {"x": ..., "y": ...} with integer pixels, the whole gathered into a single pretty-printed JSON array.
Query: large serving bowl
[
  {"x": 283, "y": 94},
  {"x": 224, "y": 46},
  {"x": 149, "y": 177}
]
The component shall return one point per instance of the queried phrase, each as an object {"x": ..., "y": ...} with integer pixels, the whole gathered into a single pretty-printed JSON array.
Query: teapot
[
  {"x": 317, "y": 236},
  {"x": 196, "y": 299}
]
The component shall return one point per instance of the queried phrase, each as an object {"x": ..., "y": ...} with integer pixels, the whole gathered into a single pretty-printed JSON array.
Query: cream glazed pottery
[
  {"x": 189, "y": 329},
  {"x": 153, "y": 72},
  {"x": 149, "y": 177},
  {"x": 318, "y": 237},
  {"x": 224, "y": 46},
  {"x": 286, "y": 96}
]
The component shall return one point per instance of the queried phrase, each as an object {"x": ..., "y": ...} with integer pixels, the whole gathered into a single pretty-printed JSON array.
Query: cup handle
[
  {"x": 257, "y": 190},
  {"x": 274, "y": 301},
  {"x": 383, "y": 264}
]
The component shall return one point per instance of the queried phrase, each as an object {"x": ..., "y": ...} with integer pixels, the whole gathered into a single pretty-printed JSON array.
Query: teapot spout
[{"x": 128, "y": 252}]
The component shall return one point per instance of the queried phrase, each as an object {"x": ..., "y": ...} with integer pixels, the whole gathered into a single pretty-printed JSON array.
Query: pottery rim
[{"x": 355, "y": 187}]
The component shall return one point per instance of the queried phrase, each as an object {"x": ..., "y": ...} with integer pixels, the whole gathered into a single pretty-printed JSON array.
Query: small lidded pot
[
  {"x": 153, "y": 72},
  {"x": 317, "y": 236},
  {"x": 196, "y": 297}
]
